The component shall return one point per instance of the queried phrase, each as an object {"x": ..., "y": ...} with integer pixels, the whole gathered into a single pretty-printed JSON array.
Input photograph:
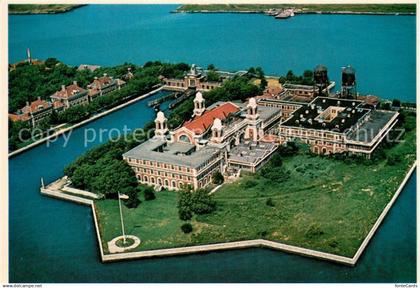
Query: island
[
  {"x": 245, "y": 160},
  {"x": 376, "y": 9},
  {"x": 21, "y": 9}
]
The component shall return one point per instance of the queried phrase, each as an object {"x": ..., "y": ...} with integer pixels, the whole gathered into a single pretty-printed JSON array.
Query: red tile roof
[
  {"x": 36, "y": 106},
  {"x": 58, "y": 104},
  {"x": 201, "y": 123},
  {"x": 19, "y": 117},
  {"x": 101, "y": 82},
  {"x": 68, "y": 91},
  {"x": 24, "y": 113}
]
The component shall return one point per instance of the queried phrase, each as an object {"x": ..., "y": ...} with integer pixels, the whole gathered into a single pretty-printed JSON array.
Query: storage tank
[{"x": 321, "y": 80}]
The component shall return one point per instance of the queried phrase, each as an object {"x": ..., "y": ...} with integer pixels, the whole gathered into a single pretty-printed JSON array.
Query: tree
[
  {"x": 54, "y": 118},
  {"x": 263, "y": 84},
  {"x": 202, "y": 202},
  {"x": 51, "y": 62},
  {"x": 133, "y": 201},
  {"x": 186, "y": 228},
  {"x": 396, "y": 103},
  {"x": 259, "y": 73},
  {"x": 211, "y": 67},
  {"x": 218, "y": 178},
  {"x": 185, "y": 205},
  {"x": 194, "y": 202},
  {"x": 213, "y": 76},
  {"x": 149, "y": 193}
]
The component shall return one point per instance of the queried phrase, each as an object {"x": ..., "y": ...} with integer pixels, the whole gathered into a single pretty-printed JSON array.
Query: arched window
[
  {"x": 139, "y": 177},
  {"x": 180, "y": 184},
  {"x": 324, "y": 150},
  {"x": 146, "y": 179},
  {"x": 166, "y": 183},
  {"x": 173, "y": 184},
  {"x": 184, "y": 138},
  {"x": 152, "y": 179}
]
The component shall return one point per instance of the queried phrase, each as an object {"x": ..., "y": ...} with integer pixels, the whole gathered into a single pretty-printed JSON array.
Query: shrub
[
  {"x": 314, "y": 231},
  {"x": 276, "y": 160},
  {"x": 275, "y": 174},
  {"x": 289, "y": 149},
  {"x": 393, "y": 159},
  {"x": 270, "y": 202},
  {"x": 185, "y": 214},
  {"x": 218, "y": 178},
  {"x": 149, "y": 193},
  {"x": 186, "y": 228},
  {"x": 249, "y": 183}
]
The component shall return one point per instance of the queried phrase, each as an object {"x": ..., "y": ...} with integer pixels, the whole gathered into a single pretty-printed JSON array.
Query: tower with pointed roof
[
  {"x": 161, "y": 125},
  {"x": 199, "y": 104}
]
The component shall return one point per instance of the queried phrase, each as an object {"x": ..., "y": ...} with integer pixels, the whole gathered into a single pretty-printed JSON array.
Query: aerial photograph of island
[{"x": 212, "y": 143}]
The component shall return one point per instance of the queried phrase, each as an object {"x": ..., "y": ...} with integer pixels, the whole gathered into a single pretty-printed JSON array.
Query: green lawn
[
  {"x": 326, "y": 205},
  {"x": 389, "y": 8}
]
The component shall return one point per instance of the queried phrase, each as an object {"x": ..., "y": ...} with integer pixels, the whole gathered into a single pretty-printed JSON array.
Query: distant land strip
[
  {"x": 368, "y": 9},
  {"x": 24, "y": 9}
]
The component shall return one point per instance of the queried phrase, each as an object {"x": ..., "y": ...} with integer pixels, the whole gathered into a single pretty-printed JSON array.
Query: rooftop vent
[
  {"x": 323, "y": 100},
  {"x": 324, "y": 124},
  {"x": 343, "y": 120},
  {"x": 307, "y": 111},
  {"x": 353, "y": 103}
]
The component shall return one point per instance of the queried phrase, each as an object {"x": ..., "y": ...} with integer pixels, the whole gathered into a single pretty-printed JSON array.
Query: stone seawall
[{"x": 233, "y": 245}]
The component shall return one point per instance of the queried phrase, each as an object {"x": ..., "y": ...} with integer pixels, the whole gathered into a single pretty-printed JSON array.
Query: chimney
[
  {"x": 39, "y": 98},
  {"x": 96, "y": 78},
  {"x": 27, "y": 103},
  {"x": 75, "y": 83},
  {"x": 105, "y": 74},
  {"x": 63, "y": 87}
]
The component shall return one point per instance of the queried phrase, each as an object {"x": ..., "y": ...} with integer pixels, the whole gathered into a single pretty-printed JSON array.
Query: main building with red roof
[{"x": 214, "y": 139}]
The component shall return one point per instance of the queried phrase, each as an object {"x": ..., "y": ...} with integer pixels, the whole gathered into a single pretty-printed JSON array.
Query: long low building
[
  {"x": 172, "y": 165},
  {"x": 332, "y": 125}
]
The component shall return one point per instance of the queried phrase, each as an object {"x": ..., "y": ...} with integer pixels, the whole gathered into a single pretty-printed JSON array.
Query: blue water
[
  {"x": 381, "y": 48},
  {"x": 54, "y": 241}
]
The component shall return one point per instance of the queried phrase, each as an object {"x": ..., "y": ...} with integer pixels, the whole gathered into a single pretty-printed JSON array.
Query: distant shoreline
[
  {"x": 300, "y": 12},
  {"x": 17, "y": 9},
  {"x": 341, "y": 9}
]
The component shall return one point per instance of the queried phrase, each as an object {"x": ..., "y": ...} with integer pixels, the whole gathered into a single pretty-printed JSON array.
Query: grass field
[
  {"x": 326, "y": 205},
  {"x": 380, "y": 8}
]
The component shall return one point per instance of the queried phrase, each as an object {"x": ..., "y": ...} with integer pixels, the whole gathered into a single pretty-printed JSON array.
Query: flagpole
[{"x": 122, "y": 221}]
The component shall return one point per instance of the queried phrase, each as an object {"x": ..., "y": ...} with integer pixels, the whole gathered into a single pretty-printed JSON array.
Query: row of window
[
  {"x": 158, "y": 181},
  {"x": 160, "y": 165},
  {"x": 313, "y": 133},
  {"x": 177, "y": 84},
  {"x": 162, "y": 173}
]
